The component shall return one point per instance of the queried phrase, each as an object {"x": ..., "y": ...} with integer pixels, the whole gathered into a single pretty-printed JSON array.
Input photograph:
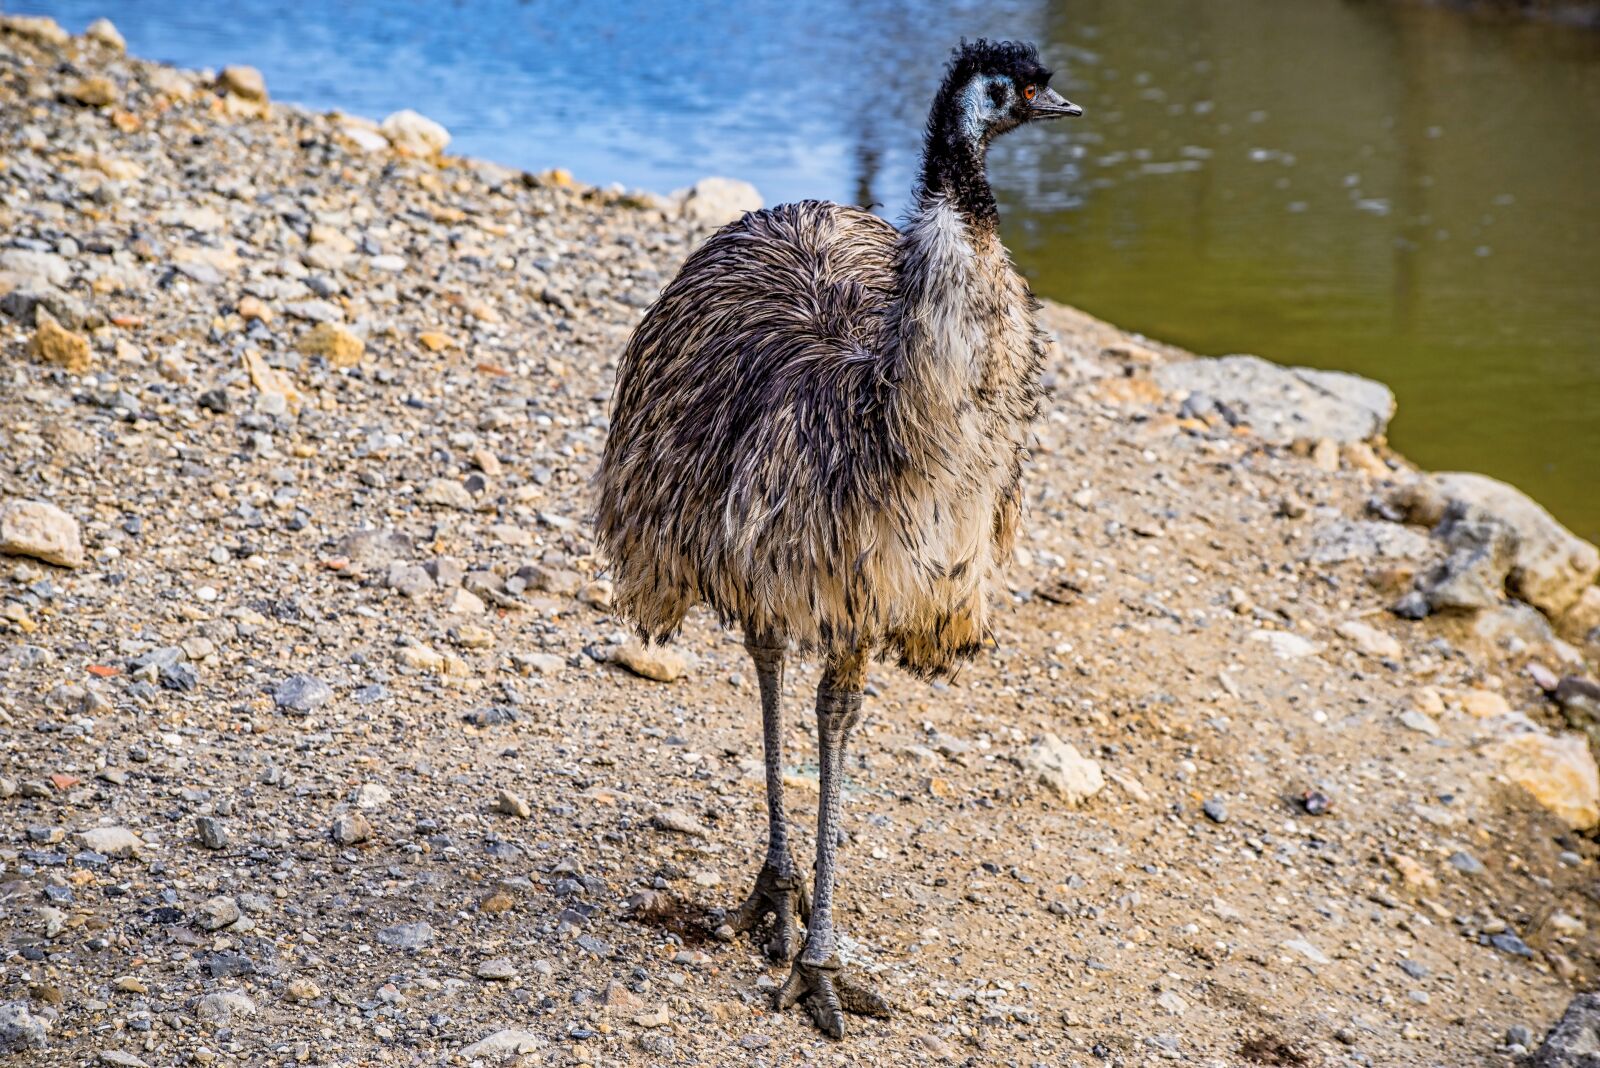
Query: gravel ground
[{"x": 324, "y": 748}]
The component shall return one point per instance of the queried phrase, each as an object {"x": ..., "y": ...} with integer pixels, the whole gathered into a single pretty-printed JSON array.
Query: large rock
[
  {"x": 1482, "y": 553},
  {"x": 40, "y": 530},
  {"x": 55, "y": 344},
  {"x": 718, "y": 201},
  {"x": 243, "y": 82},
  {"x": 1574, "y": 1042},
  {"x": 38, "y": 28},
  {"x": 1559, "y": 772},
  {"x": 28, "y": 268},
  {"x": 502, "y": 1043},
  {"x": 411, "y": 134},
  {"x": 1550, "y": 567},
  {"x": 20, "y": 1029},
  {"x": 1058, "y": 765},
  {"x": 1286, "y": 404}
]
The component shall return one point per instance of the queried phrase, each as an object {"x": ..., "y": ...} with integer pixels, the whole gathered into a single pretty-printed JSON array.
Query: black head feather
[{"x": 961, "y": 125}]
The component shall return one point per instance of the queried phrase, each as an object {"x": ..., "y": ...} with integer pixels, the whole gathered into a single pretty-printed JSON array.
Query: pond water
[{"x": 1400, "y": 191}]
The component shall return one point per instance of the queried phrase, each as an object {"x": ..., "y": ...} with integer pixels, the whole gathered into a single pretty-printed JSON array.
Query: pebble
[
  {"x": 223, "y": 1007},
  {"x": 1420, "y": 722},
  {"x": 302, "y": 990},
  {"x": 302, "y": 694},
  {"x": 351, "y": 829},
  {"x": 1215, "y": 810},
  {"x": 500, "y": 969},
  {"x": 679, "y": 822},
  {"x": 1070, "y": 775},
  {"x": 42, "y": 531},
  {"x": 243, "y": 81},
  {"x": 512, "y": 805},
  {"x": 412, "y": 134},
  {"x": 406, "y": 935},
  {"x": 217, "y": 912},
  {"x": 650, "y": 661},
  {"x": 110, "y": 841},
  {"x": 211, "y": 832},
  {"x": 54, "y": 344},
  {"x": 20, "y": 1029}
]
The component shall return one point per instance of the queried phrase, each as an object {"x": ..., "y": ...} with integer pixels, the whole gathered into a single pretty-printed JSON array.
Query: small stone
[
  {"x": 501, "y": 1044},
  {"x": 617, "y": 996},
  {"x": 712, "y": 202},
  {"x": 1215, "y": 810},
  {"x": 1171, "y": 1002},
  {"x": 40, "y": 530},
  {"x": 655, "y": 662},
  {"x": 463, "y": 602},
  {"x": 302, "y": 694},
  {"x": 302, "y": 990},
  {"x": 1307, "y": 950},
  {"x": 55, "y": 344},
  {"x": 370, "y": 796},
  {"x": 38, "y": 28},
  {"x": 111, "y": 841},
  {"x": 448, "y": 493},
  {"x": 217, "y": 912},
  {"x": 1559, "y": 773},
  {"x": 244, "y": 82},
  {"x": 1413, "y": 874},
  {"x": 351, "y": 829},
  {"x": 103, "y": 31},
  {"x": 412, "y": 134},
  {"x": 1420, "y": 722},
  {"x": 434, "y": 341},
  {"x": 1060, "y": 767},
  {"x": 1369, "y": 639},
  {"x": 406, "y": 935},
  {"x": 93, "y": 91},
  {"x": 1466, "y": 863},
  {"x": 656, "y": 1017},
  {"x": 121, "y": 1059},
  {"x": 499, "y": 970},
  {"x": 224, "y": 1007},
  {"x": 253, "y": 309},
  {"x": 1484, "y": 704},
  {"x": 130, "y": 984},
  {"x": 211, "y": 832},
  {"x": 512, "y": 805},
  {"x": 333, "y": 342},
  {"x": 678, "y": 821}
]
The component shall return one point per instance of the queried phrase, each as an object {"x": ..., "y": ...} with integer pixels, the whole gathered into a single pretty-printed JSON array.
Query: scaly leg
[
  {"x": 818, "y": 975},
  {"x": 778, "y": 890}
]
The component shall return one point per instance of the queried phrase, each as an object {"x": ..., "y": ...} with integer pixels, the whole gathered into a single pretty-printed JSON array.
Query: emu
[{"x": 818, "y": 431}]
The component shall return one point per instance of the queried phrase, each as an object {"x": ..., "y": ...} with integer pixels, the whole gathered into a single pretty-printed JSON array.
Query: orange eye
[{"x": 1030, "y": 92}]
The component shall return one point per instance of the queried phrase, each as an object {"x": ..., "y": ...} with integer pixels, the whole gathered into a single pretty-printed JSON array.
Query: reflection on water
[{"x": 1402, "y": 192}]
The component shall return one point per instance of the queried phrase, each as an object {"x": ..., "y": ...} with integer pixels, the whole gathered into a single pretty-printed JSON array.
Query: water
[{"x": 1399, "y": 191}]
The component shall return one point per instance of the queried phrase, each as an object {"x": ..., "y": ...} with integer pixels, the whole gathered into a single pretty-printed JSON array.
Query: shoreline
[{"x": 323, "y": 734}]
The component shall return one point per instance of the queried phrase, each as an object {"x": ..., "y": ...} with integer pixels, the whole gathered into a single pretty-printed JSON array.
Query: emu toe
[
  {"x": 783, "y": 898},
  {"x": 829, "y": 993}
]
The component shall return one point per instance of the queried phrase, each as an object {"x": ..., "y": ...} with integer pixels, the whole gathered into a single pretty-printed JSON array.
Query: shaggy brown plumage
[{"x": 818, "y": 430}]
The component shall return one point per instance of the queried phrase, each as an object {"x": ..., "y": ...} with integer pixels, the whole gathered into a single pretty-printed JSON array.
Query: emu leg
[
  {"x": 818, "y": 976},
  {"x": 778, "y": 889}
]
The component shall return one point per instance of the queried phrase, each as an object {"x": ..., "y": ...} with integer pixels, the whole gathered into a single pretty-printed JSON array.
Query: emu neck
[{"x": 953, "y": 169}]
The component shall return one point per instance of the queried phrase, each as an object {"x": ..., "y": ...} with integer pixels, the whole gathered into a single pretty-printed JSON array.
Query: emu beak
[{"x": 1052, "y": 105}]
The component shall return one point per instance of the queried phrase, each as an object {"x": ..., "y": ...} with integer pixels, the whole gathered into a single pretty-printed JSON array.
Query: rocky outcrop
[
  {"x": 1283, "y": 405},
  {"x": 1499, "y": 539}
]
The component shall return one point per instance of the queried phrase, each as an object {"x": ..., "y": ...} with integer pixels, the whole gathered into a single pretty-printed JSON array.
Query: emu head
[{"x": 992, "y": 88}]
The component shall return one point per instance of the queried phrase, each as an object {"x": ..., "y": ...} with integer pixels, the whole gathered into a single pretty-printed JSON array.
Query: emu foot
[
  {"x": 786, "y": 900},
  {"x": 829, "y": 994}
]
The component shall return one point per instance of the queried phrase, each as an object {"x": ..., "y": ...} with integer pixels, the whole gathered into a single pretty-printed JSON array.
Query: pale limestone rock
[{"x": 1059, "y": 766}]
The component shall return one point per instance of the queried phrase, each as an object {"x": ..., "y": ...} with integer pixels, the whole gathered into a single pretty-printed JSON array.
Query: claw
[
  {"x": 829, "y": 994},
  {"x": 783, "y": 898}
]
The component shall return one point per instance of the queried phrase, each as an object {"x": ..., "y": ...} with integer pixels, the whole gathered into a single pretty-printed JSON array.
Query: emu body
[{"x": 818, "y": 431}]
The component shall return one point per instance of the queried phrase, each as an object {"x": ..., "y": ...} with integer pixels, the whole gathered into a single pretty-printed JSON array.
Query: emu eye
[{"x": 1030, "y": 92}]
